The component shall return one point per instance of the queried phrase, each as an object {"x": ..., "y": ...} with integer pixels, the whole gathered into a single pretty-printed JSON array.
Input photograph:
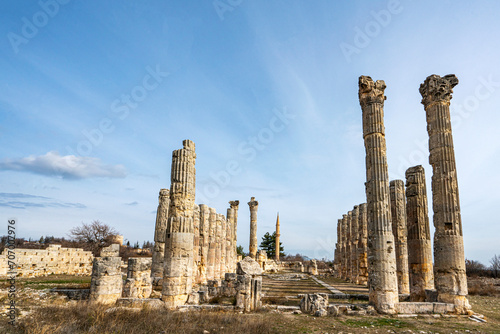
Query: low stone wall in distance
[{"x": 52, "y": 260}]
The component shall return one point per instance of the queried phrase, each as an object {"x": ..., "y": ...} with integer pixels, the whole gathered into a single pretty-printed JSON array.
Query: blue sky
[{"x": 95, "y": 95}]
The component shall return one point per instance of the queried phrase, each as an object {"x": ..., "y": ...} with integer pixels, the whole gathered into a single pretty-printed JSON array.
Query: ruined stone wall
[{"x": 52, "y": 260}]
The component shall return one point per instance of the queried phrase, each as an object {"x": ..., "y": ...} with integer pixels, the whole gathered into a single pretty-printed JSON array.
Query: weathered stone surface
[
  {"x": 354, "y": 243},
  {"x": 139, "y": 303},
  {"x": 312, "y": 303},
  {"x": 419, "y": 236},
  {"x": 111, "y": 250},
  {"x": 248, "y": 266},
  {"x": 253, "y": 205},
  {"x": 363, "y": 245},
  {"x": 179, "y": 257},
  {"x": 223, "y": 247},
  {"x": 348, "y": 246},
  {"x": 381, "y": 248},
  {"x": 249, "y": 290},
  {"x": 160, "y": 233},
  {"x": 204, "y": 242},
  {"x": 138, "y": 283},
  {"x": 54, "y": 260},
  {"x": 234, "y": 207},
  {"x": 338, "y": 253},
  {"x": 399, "y": 230},
  {"x": 449, "y": 258},
  {"x": 218, "y": 244},
  {"x": 106, "y": 280},
  {"x": 312, "y": 267},
  {"x": 343, "y": 248},
  {"x": 212, "y": 243}
]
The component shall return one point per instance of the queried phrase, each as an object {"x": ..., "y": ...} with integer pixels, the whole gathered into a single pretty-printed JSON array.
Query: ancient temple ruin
[{"x": 397, "y": 243}]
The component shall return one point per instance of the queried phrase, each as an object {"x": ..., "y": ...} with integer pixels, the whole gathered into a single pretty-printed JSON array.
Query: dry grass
[
  {"x": 483, "y": 286},
  {"x": 90, "y": 318}
]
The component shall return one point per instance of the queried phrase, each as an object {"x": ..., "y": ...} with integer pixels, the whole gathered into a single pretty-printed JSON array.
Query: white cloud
[{"x": 67, "y": 167}]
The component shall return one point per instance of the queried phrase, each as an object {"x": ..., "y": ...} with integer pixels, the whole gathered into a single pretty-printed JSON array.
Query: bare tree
[
  {"x": 93, "y": 236},
  {"x": 495, "y": 265},
  {"x": 474, "y": 268}
]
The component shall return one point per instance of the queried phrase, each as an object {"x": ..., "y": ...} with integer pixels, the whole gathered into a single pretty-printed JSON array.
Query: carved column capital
[
  {"x": 370, "y": 91},
  {"x": 253, "y": 204},
  {"x": 234, "y": 204},
  {"x": 437, "y": 89}
]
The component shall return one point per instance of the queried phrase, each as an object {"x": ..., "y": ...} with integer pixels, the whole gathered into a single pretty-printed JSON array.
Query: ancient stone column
[
  {"x": 223, "y": 247},
  {"x": 363, "y": 245},
  {"x": 212, "y": 243},
  {"x": 449, "y": 258},
  {"x": 178, "y": 274},
  {"x": 160, "y": 232},
  {"x": 218, "y": 242},
  {"x": 354, "y": 243},
  {"x": 253, "y": 204},
  {"x": 398, "y": 214},
  {"x": 204, "y": 242},
  {"x": 344, "y": 248},
  {"x": 383, "y": 280},
  {"x": 196, "y": 245},
  {"x": 338, "y": 246},
  {"x": 277, "y": 250},
  {"x": 419, "y": 236},
  {"x": 348, "y": 246},
  {"x": 106, "y": 281},
  {"x": 234, "y": 206},
  {"x": 138, "y": 283},
  {"x": 231, "y": 249}
]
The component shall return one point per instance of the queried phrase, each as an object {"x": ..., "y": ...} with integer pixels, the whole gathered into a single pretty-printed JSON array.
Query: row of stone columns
[
  {"x": 399, "y": 257},
  {"x": 193, "y": 243},
  {"x": 351, "y": 258}
]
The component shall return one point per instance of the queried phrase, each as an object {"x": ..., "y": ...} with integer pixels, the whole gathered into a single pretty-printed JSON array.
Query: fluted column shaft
[
  {"x": 277, "y": 247},
  {"x": 212, "y": 243},
  {"x": 398, "y": 214},
  {"x": 381, "y": 249},
  {"x": 160, "y": 234},
  {"x": 354, "y": 243},
  {"x": 253, "y": 204},
  {"x": 449, "y": 258},
  {"x": 363, "y": 245},
  {"x": 178, "y": 271},
  {"x": 419, "y": 236}
]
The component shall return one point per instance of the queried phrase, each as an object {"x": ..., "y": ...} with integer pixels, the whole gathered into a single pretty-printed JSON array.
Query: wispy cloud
[
  {"x": 67, "y": 167},
  {"x": 24, "y": 201},
  {"x": 132, "y": 203}
]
